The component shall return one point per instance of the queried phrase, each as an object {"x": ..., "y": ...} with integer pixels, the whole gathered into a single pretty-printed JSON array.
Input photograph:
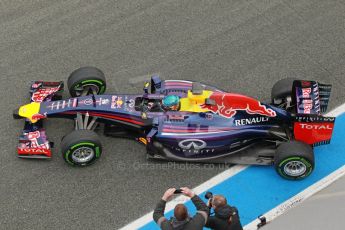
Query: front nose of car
[{"x": 27, "y": 111}]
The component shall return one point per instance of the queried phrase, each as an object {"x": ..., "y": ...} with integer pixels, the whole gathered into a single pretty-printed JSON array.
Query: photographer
[
  {"x": 181, "y": 219},
  {"x": 226, "y": 217}
]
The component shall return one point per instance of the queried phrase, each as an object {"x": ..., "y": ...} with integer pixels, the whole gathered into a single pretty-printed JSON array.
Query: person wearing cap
[{"x": 171, "y": 103}]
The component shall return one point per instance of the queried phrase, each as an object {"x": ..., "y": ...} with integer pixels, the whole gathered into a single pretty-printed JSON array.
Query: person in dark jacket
[
  {"x": 225, "y": 216},
  {"x": 181, "y": 219}
]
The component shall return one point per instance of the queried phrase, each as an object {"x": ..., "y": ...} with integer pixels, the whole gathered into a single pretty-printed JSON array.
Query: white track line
[
  {"x": 292, "y": 202},
  {"x": 337, "y": 111}
]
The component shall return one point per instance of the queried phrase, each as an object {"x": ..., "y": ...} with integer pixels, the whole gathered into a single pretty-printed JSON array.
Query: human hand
[
  {"x": 187, "y": 192},
  {"x": 168, "y": 194}
]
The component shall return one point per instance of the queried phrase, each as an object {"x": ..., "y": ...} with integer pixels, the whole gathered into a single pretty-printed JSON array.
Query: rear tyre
[
  {"x": 81, "y": 147},
  {"x": 88, "y": 80},
  {"x": 294, "y": 160},
  {"x": 281, "y": 92}
]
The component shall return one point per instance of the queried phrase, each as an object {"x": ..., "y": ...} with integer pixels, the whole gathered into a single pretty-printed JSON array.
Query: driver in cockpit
[
  {"x": 168, "y": 103},
  {"x": 171, "y": 103}
]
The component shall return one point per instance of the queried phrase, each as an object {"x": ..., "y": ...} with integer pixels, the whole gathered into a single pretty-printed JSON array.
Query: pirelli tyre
[
  {"x": 81, "y": 147},
  {"x": 86, "y": 80},
  {"x": 281, "y": 92},
  {"x": 294, "y": 160}
]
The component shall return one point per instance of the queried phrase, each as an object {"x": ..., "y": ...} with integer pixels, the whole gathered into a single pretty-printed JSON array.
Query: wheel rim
[
  {"x": 295, "y": 168},
  {"x": 85, "y": 89},
  {"x": 83, "y": 154}
]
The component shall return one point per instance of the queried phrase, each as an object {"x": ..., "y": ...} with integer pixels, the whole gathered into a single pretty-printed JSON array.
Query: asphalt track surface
[{"x": 240, "y": 46}]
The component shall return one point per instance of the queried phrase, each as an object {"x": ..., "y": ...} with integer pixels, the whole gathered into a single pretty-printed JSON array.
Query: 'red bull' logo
[{"x": 227, "y": 105}]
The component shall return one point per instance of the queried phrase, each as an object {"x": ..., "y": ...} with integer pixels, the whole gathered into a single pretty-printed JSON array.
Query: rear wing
[
  {"x": 311, "y": 99},
  {"x": 33, "y": 142},
  {"x": 313, "y": 129}
]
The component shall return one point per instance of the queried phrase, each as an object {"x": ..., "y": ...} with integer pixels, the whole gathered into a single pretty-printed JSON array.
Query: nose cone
[{"x": 29, "y": 111}]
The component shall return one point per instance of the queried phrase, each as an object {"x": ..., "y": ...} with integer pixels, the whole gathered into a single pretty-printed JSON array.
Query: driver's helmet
[{"x": 171, "y": 102}]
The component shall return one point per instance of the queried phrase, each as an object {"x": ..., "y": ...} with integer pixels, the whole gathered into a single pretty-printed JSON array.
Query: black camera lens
[
  {"x": 178, "y": 191},
  {"x": 208, "y": 195}
]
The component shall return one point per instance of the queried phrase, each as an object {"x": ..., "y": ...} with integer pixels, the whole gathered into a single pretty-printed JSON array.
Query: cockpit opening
[{"x": 168, "y": 103}]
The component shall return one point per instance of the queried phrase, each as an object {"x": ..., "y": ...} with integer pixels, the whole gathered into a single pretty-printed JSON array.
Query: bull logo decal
[{"x": 227, "y": 105}]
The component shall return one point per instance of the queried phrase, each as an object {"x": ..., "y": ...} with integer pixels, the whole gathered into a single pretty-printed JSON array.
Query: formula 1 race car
[{"x": 183, "y": 121}]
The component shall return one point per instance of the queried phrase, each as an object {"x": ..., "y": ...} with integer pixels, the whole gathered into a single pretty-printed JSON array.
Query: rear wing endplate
[{"x": 311, "y": 97}]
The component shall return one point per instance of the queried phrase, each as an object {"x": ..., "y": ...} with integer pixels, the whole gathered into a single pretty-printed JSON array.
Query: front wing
[{"x": 33, "y": 142}]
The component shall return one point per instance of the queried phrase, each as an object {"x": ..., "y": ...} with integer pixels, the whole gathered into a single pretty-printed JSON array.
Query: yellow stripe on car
[{"x": 192, "y": 103}]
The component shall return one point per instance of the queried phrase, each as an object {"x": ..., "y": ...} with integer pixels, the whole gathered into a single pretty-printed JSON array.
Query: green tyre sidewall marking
[
  {"x": 82, "y": 143},
  {"x": 67, "y": 157},
  {"x": 70, "y": 151},
  {"x": 102, "y": 90},
  {"x": 99, "y": 84},
  {"x": 302, "y": 159},
  {"x": 97, "y": 152},
  {"x": 92, "y": 81}
]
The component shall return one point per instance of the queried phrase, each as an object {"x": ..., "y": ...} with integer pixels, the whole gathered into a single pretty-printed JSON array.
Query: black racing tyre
[
  {"x": 281, "y": 90},
  {"x": 294, "y": 160},
  {"x": 83, "y": 77},
  {"x": 81, "y": 147}
]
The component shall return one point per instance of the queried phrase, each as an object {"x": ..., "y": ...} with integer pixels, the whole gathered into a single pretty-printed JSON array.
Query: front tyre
[
  {"x": 81, "y": 147},
  {"x": 294, "y": 160},
  {"x": 85, "y": 81}
]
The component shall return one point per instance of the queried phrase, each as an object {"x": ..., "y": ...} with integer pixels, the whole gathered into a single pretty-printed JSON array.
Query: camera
[
  {"x": 208, "y": 195},
  {"x": 178, "y": 191}
]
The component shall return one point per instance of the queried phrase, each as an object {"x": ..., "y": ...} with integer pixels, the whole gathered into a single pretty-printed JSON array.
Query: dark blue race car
[{"x": 183, "y": 121}]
